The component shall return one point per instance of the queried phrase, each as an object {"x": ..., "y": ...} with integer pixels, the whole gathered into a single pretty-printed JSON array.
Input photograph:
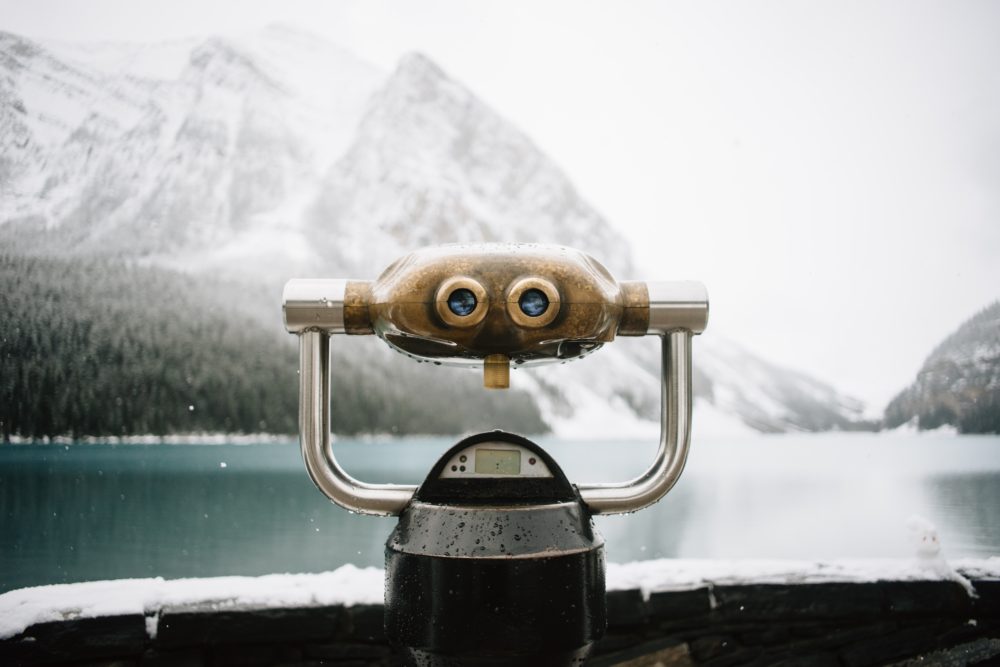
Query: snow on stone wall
[{"x": 350, "y": 585}]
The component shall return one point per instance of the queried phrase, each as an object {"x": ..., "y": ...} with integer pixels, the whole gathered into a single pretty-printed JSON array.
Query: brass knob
[{"x": 496, "y": 371}]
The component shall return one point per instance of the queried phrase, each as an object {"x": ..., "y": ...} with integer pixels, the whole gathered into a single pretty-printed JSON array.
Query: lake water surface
[{"x": 84, "y": 512}]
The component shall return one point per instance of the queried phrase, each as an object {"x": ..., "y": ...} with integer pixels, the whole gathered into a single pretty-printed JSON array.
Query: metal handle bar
[{"x": 314, "y": 310}]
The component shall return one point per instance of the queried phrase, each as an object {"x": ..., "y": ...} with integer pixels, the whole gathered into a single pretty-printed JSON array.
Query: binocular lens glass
[
  {"x": 462, "y": 302},
  {"x": 533, "y": 302}
]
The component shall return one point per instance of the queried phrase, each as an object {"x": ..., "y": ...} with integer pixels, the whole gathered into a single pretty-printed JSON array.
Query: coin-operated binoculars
[{"x": 495, "y": 559}]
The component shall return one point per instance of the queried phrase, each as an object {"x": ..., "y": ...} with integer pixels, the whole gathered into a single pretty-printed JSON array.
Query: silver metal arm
[
  {"x": 314, "y": 426},
  {"x": 675, "y": 438},
  {"x": 314, "y": 311},
  {"x": 677, "y": 310}
]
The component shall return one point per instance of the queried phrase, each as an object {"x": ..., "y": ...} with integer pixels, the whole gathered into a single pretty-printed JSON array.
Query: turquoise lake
[{"x": 84, "y": 512}]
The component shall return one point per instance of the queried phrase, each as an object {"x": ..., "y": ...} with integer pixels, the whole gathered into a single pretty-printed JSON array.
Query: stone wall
[{"x": 851, "y": 624}]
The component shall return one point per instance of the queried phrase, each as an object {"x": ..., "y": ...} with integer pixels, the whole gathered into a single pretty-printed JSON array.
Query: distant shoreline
[
  {"x": 172, "y": 439},
  {"x": 908, "y": 430},
  {"x": 219, "y": 438}
]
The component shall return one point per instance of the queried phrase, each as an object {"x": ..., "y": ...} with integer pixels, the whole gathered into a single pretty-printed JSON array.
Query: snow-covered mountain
[
  {"x": 278, "y": 154},
  {"x": 959, "y": 384},
  {"x": 213, "y": 165}
]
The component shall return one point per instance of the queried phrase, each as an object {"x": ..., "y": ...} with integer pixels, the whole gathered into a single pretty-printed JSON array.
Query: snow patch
[
  {"x": 599, "y": 418},
  {"x": 910, "y": 429},
  {"x": 347, "y": 585},
  {"x": 687, "y": 574},
  {"x": 152, "y": 625}
]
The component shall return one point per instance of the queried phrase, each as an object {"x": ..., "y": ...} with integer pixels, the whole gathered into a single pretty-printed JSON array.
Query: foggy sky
[{"x": 830, "y": 169}]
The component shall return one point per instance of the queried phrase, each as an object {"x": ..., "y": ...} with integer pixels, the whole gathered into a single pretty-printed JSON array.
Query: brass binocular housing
[{"x": 500, "y": 305}]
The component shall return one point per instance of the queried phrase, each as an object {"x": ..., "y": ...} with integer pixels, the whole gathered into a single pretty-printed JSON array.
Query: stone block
[
  {"x": 671, "y": 605},
  {"x": 926, "y": 598},
  {"x": 265, "y": 625},
  {"x": 740, "y": 657},
  {"x": 366, "y": 623},
  {"x": 819, "y": 629},
  {"x": 254, "y": 655},
  {"x": 800, "y": 660},
  {"x": 798, "y": 601},
  {"x": 79, "y": 639},
  {"x": 191, "y": 657},
  {"x": 712, "y": 646},
  {"x": 766, "y": 634},
  {"x": 347, "y": 651},
  {"x": 904, "y": 643},
  {"x": 617, "y": 641},
  {"x": 831, "y": 637},
  {"x": 626, "y": 608},
  {"x": 987, "y": 605}
]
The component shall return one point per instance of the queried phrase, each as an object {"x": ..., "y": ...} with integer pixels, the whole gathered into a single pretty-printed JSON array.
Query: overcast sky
[{"x": 830, "y": 169}]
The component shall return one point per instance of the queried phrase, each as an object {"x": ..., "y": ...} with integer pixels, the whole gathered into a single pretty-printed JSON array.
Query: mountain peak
[
  {"x": 417, "y": 65},
  {"x": 226, "y": 63},
  {"x": 18, "y": 46},
  {"x": 418, "y": 83},
  {"x": 432, "y": 163}
]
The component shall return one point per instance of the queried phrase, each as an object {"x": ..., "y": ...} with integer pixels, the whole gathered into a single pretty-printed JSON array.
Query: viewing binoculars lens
[
  {"x": 533, "y": 302},
  {"x": 462, "y": 302}
]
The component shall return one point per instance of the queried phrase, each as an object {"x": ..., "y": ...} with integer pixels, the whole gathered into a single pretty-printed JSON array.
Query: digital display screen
[{"x": 498, "y": 462}]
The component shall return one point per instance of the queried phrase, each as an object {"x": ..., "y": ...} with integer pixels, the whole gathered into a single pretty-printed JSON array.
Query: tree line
[{"x": 94, "y": 347}]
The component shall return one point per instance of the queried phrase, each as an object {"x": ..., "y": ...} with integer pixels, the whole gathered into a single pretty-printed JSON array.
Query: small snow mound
[
  {"x": 152, "y": 625},
  {"x": 929, "y": 556}
]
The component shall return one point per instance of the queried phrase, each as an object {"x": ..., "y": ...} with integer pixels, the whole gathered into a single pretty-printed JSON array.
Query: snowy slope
[
  {"x": 216, "y": 162},
  {"x": 278, "y": 154},
  {"x": 52, "y": 115},
  {"x": 736, "y": 393},
  {"x": 771, "y": 398}
]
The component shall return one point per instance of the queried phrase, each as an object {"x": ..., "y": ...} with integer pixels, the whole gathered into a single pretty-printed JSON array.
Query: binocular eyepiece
[{"x": 499, "y": 305}]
